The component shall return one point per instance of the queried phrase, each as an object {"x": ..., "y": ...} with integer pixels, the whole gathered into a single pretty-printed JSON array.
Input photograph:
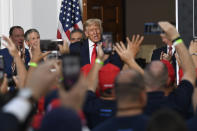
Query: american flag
[{"x": 69, "y": 18}]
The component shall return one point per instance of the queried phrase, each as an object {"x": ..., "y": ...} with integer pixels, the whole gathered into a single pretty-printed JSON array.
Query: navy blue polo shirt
[
  {"x": 97, "y": 110},
  {"x": 8, "y": 60},
  {"x": 129, "y": 123},
  {"x": 179, "y": 100}
]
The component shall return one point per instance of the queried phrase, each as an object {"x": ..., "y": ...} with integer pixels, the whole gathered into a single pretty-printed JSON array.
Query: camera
[
  {"x": 50, "y": 45},
  {"x": 152, "y": 28},
  {"x": 71, "y": 70}
]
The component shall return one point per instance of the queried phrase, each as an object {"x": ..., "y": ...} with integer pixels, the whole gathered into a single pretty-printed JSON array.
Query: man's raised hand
[{"x": 10, "y": 46}]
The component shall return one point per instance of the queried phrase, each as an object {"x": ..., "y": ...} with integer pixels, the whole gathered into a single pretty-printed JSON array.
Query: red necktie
[
  {"x": 93, "y": 57},
  {"x": 170, "y": 50}
]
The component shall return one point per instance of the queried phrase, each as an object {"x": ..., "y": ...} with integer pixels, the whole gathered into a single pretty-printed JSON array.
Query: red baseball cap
[
  {"x": 107, "y": 75},
  {"x": 171, "y": 73},
  {"x": 86, "y": 69}
]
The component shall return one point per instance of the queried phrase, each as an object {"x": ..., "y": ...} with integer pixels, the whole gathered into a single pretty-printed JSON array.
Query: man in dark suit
[
  {"x": 88, "y": 48},
  {"x": 167, "y": 50},
  {"x": 16, "y": 34}
]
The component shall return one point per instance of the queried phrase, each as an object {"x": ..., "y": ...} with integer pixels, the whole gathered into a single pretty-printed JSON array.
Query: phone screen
[
  {"x": 107, "y": 44},
  {"x": 71, "y": 70}
]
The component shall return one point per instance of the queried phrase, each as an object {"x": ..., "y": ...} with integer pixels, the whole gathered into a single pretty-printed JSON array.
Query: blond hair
[{"x": 90, "y": 22}]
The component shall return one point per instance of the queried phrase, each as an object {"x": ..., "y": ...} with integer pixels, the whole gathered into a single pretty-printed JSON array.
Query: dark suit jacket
[
  {"x": 8, "y": 60},
  {"x": 157, "y": 52},
  {"x": 8, "y": 122},
  {"x": 82, "y": 48}
]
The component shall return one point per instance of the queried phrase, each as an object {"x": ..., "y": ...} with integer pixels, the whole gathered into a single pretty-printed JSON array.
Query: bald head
[
  {"x": 128, "y": 86},
  {"x": 156, "y": 75}
]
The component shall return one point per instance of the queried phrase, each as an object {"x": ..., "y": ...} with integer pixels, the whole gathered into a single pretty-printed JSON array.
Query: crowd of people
[{"x": 110, "y": 92}]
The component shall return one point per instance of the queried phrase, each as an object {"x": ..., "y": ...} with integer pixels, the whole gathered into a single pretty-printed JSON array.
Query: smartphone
[
  {"x": 50, "y": 45},
  {"x": 2, "y": 65},
  {"x": 107, "y": 43},
  {"x": 152, "y": 28},
  {"x": 71, "y": 70},
  {"x": 54, "y": 55}
]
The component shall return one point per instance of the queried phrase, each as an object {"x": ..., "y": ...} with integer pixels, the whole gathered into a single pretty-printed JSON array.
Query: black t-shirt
[
  {"x": 130, "y": 123},
  {"x": 179, "y": 100},
  {"x": 97, "y": 110}
]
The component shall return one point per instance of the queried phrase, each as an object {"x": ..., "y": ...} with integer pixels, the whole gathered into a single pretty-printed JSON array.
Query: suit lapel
[
  {"x": 164, "y": 49},
  {"x": 85, "y": 53}
]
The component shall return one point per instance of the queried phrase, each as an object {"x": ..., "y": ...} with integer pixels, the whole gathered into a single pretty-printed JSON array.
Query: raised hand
[
  {"x": 169, "y": 30},
  {"x": 193, "y": 47},
  {"x": 100, "y": 53},
  {"x": 64, "y": 49},
  {"x": 132, "y": 49},
  {"x": 75, "y": 97},
  {"x": 185, "y": 58},
  {"x": 11, "y": 47},
  {"x": 37, "y": 55},
  {"x": 128, "y": 54},
  {"x": 125, "y": 53},
  {"x": 41, "y": 79},
  {"x": 193, "y": 51},
  {"x": 4, "y": 85},
  {"x": 166, "y": 56},
  {"x": 135, "y": 43}
]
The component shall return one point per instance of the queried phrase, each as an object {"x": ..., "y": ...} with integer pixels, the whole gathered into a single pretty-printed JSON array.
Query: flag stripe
[
  {"x": 59, "y": 36},
  {"x": 68, "y": 34},
  {"x": 62, "y": 33},
  {"x": 69, "y": 19}
]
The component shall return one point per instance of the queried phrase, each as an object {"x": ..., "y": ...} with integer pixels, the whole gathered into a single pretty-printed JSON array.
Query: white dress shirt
[
  {"x": 91, "y": 47},
  {"x": 173, "y": 49},
  {"x": 19, "y": 107}
]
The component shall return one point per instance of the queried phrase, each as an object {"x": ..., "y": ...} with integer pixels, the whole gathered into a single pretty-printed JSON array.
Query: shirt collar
[
  {"x": 173, "y": 48},
  {"x": 169, "y": 46},
  {"x": 90, "y": 43}
]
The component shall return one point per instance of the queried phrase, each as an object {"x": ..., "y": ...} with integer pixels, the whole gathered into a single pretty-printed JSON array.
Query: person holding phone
[
  {"x": 166, "y": 52},
  {"x": 88, "y": 48}
]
